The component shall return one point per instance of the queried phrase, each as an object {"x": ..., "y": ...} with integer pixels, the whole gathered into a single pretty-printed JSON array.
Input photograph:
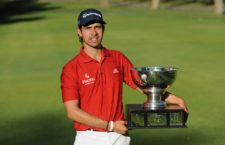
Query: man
[{"x": 91, "y": 85}]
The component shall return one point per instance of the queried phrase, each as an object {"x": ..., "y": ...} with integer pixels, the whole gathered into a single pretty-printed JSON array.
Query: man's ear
[{"x": 79, "y": 32}]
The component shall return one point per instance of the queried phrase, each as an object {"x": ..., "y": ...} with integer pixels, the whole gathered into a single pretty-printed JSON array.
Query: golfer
[{"x": 91, "y": 85}]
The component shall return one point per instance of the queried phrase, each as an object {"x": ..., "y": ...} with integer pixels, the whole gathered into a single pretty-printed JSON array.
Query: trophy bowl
[{"x": 154, "y": 81}]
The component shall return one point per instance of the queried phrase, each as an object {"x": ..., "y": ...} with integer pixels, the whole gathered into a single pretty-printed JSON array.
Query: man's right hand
[{"x": 120, "y": 127}]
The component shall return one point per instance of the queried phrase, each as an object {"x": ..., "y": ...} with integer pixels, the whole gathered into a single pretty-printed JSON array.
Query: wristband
[{"x": 111, "y": 125}]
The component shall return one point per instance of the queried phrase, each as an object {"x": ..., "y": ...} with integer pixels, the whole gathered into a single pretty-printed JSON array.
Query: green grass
[{"x": 33, "y": 53}]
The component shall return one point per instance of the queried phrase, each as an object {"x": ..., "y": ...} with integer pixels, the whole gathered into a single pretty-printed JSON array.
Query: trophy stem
[{"x": 154, "y": 100}]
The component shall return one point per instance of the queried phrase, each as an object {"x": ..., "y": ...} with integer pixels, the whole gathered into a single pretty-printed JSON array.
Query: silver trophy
[
  {"x": 155, "y": 113},
  {"x": 154, "y": 81}
]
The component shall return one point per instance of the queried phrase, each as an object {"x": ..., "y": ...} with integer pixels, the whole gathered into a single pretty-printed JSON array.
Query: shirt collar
[{"x": 86, "y": 58}]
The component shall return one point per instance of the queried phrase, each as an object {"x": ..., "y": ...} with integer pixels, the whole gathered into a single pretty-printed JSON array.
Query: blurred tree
[
  {"x": 12, "y": 11},
  {"x": 218, "y": 7},
  {"x": 104, "y": 3},
  {"x": 155, "y": 4}
]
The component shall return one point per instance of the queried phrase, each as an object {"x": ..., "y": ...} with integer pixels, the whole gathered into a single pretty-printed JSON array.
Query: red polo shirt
[{"x": 97, "y": 85}]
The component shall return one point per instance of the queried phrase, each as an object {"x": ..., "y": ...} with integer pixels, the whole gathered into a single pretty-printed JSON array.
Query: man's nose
[{"x": 93, "y": 31}]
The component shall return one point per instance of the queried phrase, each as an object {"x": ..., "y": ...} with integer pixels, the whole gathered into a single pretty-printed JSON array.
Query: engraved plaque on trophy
[{"x": 155, "y": 113}]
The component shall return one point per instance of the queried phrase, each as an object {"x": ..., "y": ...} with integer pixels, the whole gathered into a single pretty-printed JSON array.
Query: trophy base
[
  {"x": 155, "y": 105},
  {"x": 172, "y": 116}
]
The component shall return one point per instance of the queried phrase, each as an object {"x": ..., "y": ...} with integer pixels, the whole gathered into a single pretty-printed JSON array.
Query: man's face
[{"x": 92, "y": 35}]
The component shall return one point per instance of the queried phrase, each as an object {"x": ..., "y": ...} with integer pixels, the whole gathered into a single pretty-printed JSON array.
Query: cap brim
[{"x": 93, "y": 21}]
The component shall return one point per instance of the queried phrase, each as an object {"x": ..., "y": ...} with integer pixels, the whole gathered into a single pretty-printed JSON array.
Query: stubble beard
[{"x": 96, "y": 45}]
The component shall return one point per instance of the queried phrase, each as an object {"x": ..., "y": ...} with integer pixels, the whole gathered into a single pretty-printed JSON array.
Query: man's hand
[
  {"x": 183, "y": 105},
  {"x": 173, "y": 99},
  {"x": 120, "y": 127}
]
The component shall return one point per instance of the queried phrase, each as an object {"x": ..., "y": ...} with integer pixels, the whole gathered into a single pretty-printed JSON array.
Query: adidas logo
[{"x": 115, "y": 71}]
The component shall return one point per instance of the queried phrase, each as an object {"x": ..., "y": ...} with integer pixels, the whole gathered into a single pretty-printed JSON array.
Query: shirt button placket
[{"x": 102, "y": 78}]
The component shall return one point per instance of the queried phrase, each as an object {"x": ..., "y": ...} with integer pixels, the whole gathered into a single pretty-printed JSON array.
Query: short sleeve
[
  {"x": 127, "y": 74},
  {"x": 69, "y": 84}
]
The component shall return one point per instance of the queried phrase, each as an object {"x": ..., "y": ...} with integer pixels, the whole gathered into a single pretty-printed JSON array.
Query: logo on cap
[{"x": 89, "y": 14}]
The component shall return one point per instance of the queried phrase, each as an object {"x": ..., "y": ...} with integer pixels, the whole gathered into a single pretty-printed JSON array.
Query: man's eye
[
  {"x": 87, "y": 28},
  {"x": 99, "y": 27}
]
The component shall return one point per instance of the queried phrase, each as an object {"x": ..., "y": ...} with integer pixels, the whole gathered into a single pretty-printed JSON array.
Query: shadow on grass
[
  {"x": 13, "y": 11},
  {"x": 48, "y": 129}
]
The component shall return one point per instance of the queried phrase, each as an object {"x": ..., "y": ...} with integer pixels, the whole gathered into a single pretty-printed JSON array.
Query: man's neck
[{"x": 95, "y": 53}]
